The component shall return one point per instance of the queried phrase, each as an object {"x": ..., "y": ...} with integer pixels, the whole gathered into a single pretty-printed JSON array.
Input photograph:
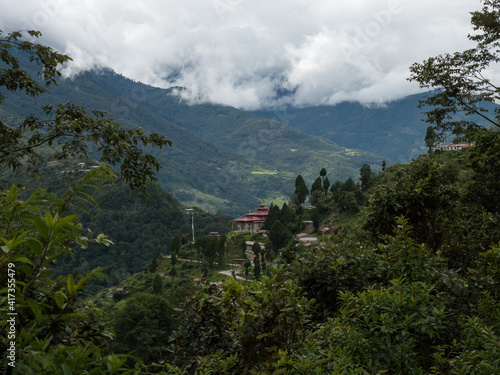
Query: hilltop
[{"x": 222, "y": 159}]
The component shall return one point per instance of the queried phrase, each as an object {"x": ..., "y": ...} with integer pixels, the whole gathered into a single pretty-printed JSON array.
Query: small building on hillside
[
  {"x": 249, "y": 245},
  {"x": 307, "y": 239},
  {"x": 253, "y": 220},
  {"x": 308, "y": 226},
  {"x": 452, "y": 147},
  {"x": 329, "y": 230}
]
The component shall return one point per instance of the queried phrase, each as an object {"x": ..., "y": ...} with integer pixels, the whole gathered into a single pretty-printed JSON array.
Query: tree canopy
[
  {"x": 464, "y": 81},
  {"x": 66, "y": 125},
  {"x": 55, "y": 330}
]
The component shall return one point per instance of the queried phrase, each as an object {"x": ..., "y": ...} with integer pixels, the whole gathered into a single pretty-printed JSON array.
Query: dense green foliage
[
  {"x": 141, "y": 230},
  {"x": 143, "y": 323},
  {"x": 52, "y": 330},
  {"x": 55, "y": 330},
  {"x": 367, "y": 304},
  {"x": 411, "y": 287}
]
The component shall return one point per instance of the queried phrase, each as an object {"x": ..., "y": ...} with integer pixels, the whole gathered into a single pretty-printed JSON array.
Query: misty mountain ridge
[{"x": 224, "y": 159}]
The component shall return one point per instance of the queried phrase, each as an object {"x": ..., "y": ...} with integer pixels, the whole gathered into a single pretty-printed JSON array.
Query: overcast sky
[{"x": 253, "y": 53}]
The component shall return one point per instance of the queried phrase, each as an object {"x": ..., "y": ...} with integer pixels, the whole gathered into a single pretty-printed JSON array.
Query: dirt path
[
  {"x": 230, "y": 274},
  {"x": 224, "y": 272}
]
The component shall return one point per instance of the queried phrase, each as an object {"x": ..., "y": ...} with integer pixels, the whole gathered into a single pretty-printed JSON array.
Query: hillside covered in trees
[
  {"x": 221, "y": 159},
  {"x": 408, "y": 282}
]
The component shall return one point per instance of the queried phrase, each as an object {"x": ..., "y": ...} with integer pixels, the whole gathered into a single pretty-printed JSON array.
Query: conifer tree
[
  {"x": 322, "y": 173},
  {"x": 301, "y": 189},
  {"x": 430, "y": 137},
  {"x": 317, "y": 185},
  {"x": 366, "y": 176},
  {"x": 272, "y": 215},
  {"x": 326, "y": 184},
  {"x": 256, "y": 268},
  {"x": 279, "y": 235}
]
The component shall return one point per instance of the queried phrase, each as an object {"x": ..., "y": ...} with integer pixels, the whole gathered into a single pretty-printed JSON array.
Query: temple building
[{"x": 253, "y": 221}]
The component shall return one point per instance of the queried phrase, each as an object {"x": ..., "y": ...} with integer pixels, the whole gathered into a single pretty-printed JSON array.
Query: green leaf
[
  {"x": 51, "y": 220},
  {"x": 70, "y": 284},
  {"x": 66, "y": 369},
  {"x": 41, "y": 227},
  {"x": 64, "y": 221},
  {"x": 12, "y": 244},
  {"x": 60, "y": 298},
  {"x": 108, "y": 334},
  {"x": 59, "y": 239},
  {"x": 35, "y": 307},
  {"x": 35, "y": 245},
  {"x": 22, "y": 259}
]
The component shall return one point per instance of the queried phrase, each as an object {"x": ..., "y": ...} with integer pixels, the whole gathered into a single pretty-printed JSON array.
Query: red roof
[
  {"x": 255, "y": 217},
  {"x": 251, "y": 220}
]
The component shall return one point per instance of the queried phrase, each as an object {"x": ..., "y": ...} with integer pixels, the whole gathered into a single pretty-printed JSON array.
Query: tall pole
[
  {"x": 192, "y": 223},
  {"x": 190, "y": 210}
]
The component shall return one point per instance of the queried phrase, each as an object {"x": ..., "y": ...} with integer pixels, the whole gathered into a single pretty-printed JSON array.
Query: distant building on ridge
[{"x": 452, "y": 147}]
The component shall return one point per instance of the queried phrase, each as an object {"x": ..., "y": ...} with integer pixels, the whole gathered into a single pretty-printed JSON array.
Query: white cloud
[{"x": 240, "y": 52}]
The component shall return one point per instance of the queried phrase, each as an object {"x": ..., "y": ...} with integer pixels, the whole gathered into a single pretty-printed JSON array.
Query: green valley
[{"x": 347, "y": 262}]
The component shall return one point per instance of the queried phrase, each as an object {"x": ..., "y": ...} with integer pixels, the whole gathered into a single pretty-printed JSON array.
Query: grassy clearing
[{"x": 265, "y": 172}]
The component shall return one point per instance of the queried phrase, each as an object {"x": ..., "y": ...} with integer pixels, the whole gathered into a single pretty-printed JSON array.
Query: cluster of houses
[
  {"x": 82, "y": 167},
  {"x": 252, "y": 222}
]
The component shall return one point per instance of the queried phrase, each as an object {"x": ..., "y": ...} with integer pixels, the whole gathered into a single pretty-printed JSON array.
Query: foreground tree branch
[
  {"x": 461, "y": 80},
  {"x": 70, "y": 127}
]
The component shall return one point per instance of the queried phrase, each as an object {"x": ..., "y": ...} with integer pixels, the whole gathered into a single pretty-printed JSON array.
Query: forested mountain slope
[
  {"x": 140, "y": 229},
  {"x": 222, "y": 159},
  {"x": 394, "y": 129}
]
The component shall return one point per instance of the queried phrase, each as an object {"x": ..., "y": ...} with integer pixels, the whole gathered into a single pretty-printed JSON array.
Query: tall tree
[
  {"x": 326, "y": 184},
  {"x": 484, "y": 159},
  {"x": 221, "y": 251},
  {"x": 175, "y": 244},
  {"x": 349, "y": 185},
  {"x": 301, "y": 189},
  {"x": 430, "y": 137},
  {"x": 256, "y": 268},
  {"x": 279, "y": 235},
  {"x": 317, "y": 185},
  {"x": 365, "y": 176},
  {"x": 287, "y": 215},
  {"x": 157, "y": 285},
  {"x": 315, "y": 219},
  {"x": 464, "y": 82},
  {"x": 421, "y": 192},
  {"x": 272, "y": 215},
  {"x": 323, "y": 173}
]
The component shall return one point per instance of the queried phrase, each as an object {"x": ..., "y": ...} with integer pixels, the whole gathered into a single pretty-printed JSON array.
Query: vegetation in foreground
[{"x": 414, "y": 290}]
